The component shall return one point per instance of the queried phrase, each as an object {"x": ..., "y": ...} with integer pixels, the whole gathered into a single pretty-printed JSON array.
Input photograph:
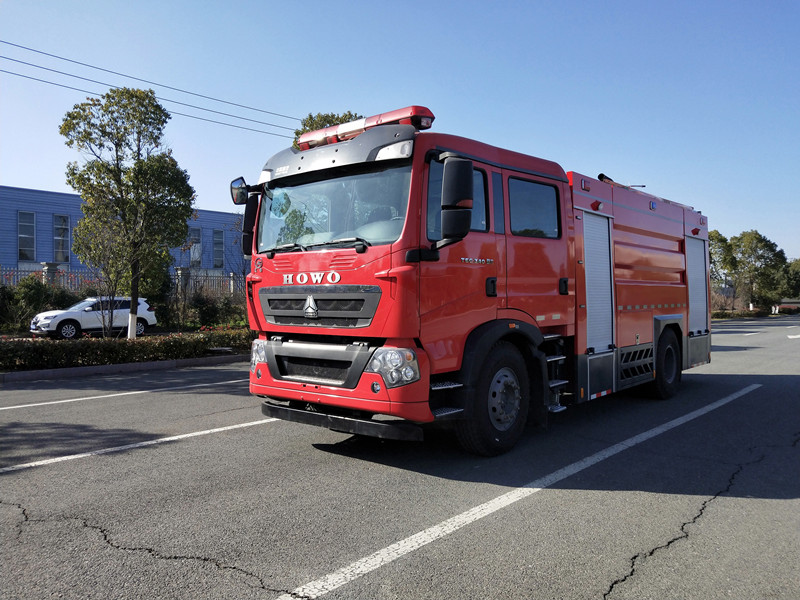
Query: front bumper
[
  {"x": 408, "y": 402},
  {"x": 37, "y": 330},
  {"x": 389, "y": 430},
  {"x": 337, "y": 376}
]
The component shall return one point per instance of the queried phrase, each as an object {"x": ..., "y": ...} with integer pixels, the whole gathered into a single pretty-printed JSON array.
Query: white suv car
[{"x": 89, "y": 315}]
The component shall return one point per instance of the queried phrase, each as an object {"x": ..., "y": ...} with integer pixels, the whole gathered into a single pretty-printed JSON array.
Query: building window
[
  {"x": 533, "y": 209},
  {"x": 26, "y": 235},
  {"x": 61, "y": 238},
  {"x": 219, "y": 248},
  {"x": 195, "y": 247}
]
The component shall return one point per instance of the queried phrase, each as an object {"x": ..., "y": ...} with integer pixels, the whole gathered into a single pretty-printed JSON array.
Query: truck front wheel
[{"x": 499, "y": 404}]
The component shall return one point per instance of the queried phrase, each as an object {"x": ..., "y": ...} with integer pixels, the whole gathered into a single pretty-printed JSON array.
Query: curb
[{"x": 158, "y": 365}]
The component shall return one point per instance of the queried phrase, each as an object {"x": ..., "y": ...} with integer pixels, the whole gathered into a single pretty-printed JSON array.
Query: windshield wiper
[
  {"x": 293, "y": 247},
  {"x": 359, "y": 243}
]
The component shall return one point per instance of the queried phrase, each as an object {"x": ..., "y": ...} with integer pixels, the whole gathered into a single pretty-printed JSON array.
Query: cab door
[
  {"x": 537, "y": 250},
  {"x": 463, "y": 288}
]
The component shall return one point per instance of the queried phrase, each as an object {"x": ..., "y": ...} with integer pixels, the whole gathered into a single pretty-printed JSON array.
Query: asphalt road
[{"x": 171, "y": 484}]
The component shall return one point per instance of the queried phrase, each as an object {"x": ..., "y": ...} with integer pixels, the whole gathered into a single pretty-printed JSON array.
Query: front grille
[
  {"x": 332, "y": 305},
  {"x": 320, "y": 322},
  {"x": 313, "y": 370},
  {"x": 329, "y": 362},
  {"x": 338, "y": 306}
]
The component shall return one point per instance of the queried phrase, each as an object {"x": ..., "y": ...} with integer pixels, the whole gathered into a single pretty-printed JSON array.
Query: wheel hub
[
  {"x": 504, "y": 399},
  {"x": 670, "y": 364}
]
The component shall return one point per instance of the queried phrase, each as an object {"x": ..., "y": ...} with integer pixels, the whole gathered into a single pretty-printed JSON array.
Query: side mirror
[
  {"x": 456, "y": 200},
  {"x": 239, "y": 191}
]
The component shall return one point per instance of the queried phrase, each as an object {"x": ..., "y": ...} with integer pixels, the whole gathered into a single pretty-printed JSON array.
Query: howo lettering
[
  {"x": 405, "y": 279},
  {"x": 303, "y": 278}
]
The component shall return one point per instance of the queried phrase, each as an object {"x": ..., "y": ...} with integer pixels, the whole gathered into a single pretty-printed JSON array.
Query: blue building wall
[
  {"x": 43, "y": 205},
  {"x": 46, "y": 205}
]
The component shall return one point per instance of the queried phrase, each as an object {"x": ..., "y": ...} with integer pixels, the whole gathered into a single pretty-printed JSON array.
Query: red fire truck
[{"x": 403, "y": 278}]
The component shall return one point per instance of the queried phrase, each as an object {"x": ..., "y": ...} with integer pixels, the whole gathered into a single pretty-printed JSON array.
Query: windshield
[
  {"x": 81, "y": 305},
  {"x": 367, "y": 208}
]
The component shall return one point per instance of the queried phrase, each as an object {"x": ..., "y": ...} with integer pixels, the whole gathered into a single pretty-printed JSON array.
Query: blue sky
[{"x": 696, "y": 100}]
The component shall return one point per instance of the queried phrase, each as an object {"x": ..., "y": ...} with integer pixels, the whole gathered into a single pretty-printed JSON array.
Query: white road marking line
[
  {"x": 755, "y": 333},
  {"x": 174, "y": 438},
  {"x": 793, "y": 337},
  {"x": 353, "y": 571},
  {"x": 165, "y": 389}
]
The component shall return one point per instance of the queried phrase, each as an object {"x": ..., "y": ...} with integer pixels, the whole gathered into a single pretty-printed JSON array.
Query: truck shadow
[
  {"x": 759, "y": 430},
  {"x": 22, "y": 443}
]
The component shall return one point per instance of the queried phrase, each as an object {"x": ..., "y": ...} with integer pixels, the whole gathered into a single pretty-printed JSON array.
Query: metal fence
[
  {"x": 188, "y": 282},
  {"x": 184, "y": 281},
  {"x": 73, "y": 279}
]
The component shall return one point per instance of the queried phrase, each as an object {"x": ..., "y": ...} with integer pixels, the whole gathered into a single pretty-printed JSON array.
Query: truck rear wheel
[
  {"x": 668, "y": 366},
  {"x": 499, "y": 404}
]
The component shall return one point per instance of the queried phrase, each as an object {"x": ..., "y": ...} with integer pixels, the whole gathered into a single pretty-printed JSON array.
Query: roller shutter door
[
  {"x": 698, "y": 284},
  {"x": 599, "y": 293}
]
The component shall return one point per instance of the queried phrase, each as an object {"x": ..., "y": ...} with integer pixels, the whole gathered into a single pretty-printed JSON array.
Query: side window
[
  {"x": 497, "y": 199},
  {"x": 26, "y": 235},
  {"x": 61, "y": 238},
  {"x": 533, "y": 209},
  {"x": 195, "y": 247},
  {"x": 122, "y": 305},
  {"x": 480, "y": 214},
  {"x": 219, "y": 248},
  {"x": 434, "y": 218}
]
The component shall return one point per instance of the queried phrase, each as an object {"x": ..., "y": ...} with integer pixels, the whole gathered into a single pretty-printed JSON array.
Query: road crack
[
  {"x": 26, "y": 517},
  {"x": 152, "y": 552},
  {"x": 684, "y": 533}
]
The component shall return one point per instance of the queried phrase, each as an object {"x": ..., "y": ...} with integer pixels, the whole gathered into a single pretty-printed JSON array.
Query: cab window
[
  {"x": 480, "y": 214},
  {"x": 533, "y": 209}
]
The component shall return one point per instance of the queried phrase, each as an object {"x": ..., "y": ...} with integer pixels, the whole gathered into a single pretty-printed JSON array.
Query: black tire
[
  {"x": 499, "y": 404},
  {"x": 141, "y": 327},
  {"x": 668, "y": 366},
  {"x": 69, "y": 330}
]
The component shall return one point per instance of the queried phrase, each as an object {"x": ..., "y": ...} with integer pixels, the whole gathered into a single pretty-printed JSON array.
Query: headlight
[
  {"x": 397, "y": 366},
  {"x": 258, "y": 354}
]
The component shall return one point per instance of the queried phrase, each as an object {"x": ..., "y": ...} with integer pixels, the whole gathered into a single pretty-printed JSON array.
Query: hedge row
[{"x": 30, "y": 354}]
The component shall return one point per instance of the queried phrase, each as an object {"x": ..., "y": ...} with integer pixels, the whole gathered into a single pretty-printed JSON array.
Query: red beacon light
[{"x": 418, "y": 116}]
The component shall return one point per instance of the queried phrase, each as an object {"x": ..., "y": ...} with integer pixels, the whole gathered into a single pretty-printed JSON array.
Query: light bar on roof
[{"x": 418, "y": 116}]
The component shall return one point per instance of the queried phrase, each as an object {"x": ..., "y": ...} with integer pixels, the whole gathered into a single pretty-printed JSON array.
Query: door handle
[
  {"x": 491, "y": 287},
  {"x": 563, "y": 286}
]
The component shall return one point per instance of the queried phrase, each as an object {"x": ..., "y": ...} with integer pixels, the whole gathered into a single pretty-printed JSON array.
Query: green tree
[
  {"x": 722, "y": 264},
  {"x": 720, "y": 255},
  {"x": 793, "y": 279},
  {"x": 137, "y": 200},
  {"x": 759, "y": 268},
  {"x": 322, "y": 120}
]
